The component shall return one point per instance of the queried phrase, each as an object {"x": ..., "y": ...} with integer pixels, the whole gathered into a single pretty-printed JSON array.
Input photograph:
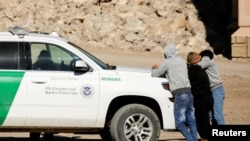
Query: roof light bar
[{"x": 20, "y": 32}]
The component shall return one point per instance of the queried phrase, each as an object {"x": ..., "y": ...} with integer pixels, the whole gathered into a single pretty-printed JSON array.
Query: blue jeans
[
  {"x": 184, "y": 116},
  {"x": 218, "y": 95}
]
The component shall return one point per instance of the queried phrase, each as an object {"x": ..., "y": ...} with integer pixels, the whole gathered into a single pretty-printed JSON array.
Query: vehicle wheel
[
  {"x": 135, "y": 122},
  {"x": 105, "y": 133},
  {"x": 34, "y": 136},
  {"x": 48, "y": 136}
]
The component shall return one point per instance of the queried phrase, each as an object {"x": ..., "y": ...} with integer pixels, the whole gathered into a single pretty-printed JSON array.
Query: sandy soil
[{"x": 234, "y": 73}]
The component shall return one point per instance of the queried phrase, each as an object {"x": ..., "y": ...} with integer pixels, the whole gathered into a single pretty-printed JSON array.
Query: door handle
[{"x": 37, "y": 82}]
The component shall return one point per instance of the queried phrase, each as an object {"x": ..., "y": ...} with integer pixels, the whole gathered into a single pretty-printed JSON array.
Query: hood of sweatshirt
[{"x": 170, "y": 50}]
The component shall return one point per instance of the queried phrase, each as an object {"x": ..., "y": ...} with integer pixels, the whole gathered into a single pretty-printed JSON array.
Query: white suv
[{"x": 49, "y": 85}]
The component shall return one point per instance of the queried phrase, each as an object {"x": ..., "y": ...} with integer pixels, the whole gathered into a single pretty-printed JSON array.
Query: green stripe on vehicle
[{"x": 9, "y": 84}]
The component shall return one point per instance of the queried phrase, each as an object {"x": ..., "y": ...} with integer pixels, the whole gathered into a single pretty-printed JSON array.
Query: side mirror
[{"x": 81, "y": 66}]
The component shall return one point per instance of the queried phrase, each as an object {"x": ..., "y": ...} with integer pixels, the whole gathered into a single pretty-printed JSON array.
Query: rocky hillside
[{"x": 135, "y": 25}]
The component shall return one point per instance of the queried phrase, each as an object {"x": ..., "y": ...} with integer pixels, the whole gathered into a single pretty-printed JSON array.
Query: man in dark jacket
[{"x": 203, "y": 99}]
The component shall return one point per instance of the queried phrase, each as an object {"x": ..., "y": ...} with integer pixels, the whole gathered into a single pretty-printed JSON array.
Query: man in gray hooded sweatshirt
[
  {"x": 175, "y": 69},
  {"x": 207, "y": 62}
]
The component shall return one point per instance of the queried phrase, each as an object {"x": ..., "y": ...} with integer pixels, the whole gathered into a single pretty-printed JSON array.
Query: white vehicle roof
[{"x": 17, "y": 33}]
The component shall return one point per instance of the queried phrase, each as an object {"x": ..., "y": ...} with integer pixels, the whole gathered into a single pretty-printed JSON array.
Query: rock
[{"x": 136, "y": 25}]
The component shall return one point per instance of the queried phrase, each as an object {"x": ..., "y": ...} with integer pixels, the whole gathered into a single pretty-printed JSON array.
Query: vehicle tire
[
  {"x": 34, "y": 136},
  {"x": 135, "y": 122},
  {"x": 48, "y": 136},
  {"x": 105, "y": 134}
]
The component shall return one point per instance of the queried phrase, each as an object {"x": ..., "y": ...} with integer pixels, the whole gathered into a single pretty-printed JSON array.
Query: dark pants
[{"x": 203, "y": 105}]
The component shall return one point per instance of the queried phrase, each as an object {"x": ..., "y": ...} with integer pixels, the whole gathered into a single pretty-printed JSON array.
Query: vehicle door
[
  {"x": 58, "y": 95},
  {"x": 13, "y": 97}
]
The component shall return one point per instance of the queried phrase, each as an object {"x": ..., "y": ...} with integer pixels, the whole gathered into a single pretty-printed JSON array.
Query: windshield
[{"x": 96, "y": 60}]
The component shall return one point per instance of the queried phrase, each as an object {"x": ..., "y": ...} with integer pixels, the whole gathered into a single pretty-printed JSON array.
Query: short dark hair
[{"x": 208, "y": 53}]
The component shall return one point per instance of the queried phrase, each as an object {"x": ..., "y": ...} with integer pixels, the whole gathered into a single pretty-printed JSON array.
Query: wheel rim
[{"x": 138, "y": 127}]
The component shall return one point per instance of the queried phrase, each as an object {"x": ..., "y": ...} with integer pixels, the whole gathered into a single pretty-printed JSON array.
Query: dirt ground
[{"x": 234, "y": 73}]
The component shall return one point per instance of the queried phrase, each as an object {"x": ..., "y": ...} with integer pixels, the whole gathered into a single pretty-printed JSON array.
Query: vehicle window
[
  {"x": 51, "y": 57},
  {"x": 96, "y": 60},
  {"x": 12, "y": 55}
]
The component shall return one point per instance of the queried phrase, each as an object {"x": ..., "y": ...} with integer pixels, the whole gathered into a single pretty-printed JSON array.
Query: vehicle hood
[{"x": 141, "y": 71}]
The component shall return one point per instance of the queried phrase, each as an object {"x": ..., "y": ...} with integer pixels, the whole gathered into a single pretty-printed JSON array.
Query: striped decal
[{"x": 9, "y": 83}]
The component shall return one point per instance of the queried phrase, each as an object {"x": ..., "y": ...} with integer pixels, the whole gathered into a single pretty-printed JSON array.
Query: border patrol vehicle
[{"x": 50, "y": 85}]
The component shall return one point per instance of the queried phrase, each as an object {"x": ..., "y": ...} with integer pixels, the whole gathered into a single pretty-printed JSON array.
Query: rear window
[
  {"x": 14, "y": 55},
  {"x": 8, "y": 55}
]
